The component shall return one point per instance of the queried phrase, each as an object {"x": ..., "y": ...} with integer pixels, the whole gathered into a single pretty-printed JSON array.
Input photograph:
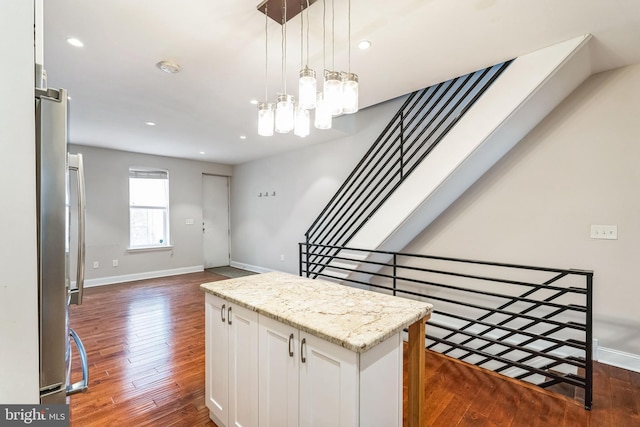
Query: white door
[
  {"x": 278, "y": 386},
  {"x": 215, "y": 220},
  {"x": 328, "y": 384}
]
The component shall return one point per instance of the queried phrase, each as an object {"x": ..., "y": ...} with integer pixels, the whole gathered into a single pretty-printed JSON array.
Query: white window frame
[{"x": 142, "y": 172}]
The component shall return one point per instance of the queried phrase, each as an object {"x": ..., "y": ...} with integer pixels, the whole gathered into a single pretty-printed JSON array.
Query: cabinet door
[
  {"x": 243, "y": 363},
  {"x": 279, "y": 355},
  {"x": 328, "y": 384},
  {"x": 217, "y": 358}
]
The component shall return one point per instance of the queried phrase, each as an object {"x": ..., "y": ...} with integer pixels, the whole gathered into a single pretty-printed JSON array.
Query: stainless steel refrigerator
[{"x": 55, "y": 292}]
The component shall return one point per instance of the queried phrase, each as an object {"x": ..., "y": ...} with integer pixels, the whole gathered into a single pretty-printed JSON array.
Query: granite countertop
[{"x": 352, "y": 318}]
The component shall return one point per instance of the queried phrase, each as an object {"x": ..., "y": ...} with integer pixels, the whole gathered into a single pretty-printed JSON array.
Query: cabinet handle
[
  {"x": 222, "y": 313},
  {"x": 291, "y": 345},
  {"x": 302, "y": 345},
  {"x": 229, "y": 315}
]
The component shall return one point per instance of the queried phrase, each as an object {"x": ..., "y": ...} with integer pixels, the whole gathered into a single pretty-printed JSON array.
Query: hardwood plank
[
  {"x": 472, "y": 419},
  {"x": 625, "y": 405},
  {"x": 503, "y": 409}
]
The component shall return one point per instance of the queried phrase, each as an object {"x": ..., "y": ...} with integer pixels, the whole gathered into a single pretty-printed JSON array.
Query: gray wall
[
  {"x": 18, "y": 262},
  {"x": 576, "y": 168},
  {"x": 107, "y": 232}
]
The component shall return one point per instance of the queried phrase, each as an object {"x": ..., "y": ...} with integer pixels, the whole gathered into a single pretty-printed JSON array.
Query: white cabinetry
[
  {"x": 231, "y": 369},
  {"x": 300, "y": 380},
  {"x": 304, "y": 380},
  {"x": 279, "y": 363},
  {"x": 328, "y": 384}
]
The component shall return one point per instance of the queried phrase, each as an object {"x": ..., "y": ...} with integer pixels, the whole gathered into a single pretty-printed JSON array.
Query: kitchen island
[{"x": 284, "y": 350}]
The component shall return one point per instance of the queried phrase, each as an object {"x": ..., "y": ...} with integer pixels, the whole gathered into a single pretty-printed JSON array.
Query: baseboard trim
[
  {"x": 618, "y": 358},
  {"x": 112, "y": 280},
  {"x": 250, "y": 267}
]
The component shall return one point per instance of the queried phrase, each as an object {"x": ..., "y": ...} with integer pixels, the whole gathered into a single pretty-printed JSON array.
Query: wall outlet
[
  {"x": 96, "y": 264},
  {"x": 114, "y": 263},
  {"x": 607, "y": 232}
]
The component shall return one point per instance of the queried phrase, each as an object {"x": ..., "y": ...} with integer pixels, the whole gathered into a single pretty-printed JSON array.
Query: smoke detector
[{"x": 168, "y": 67}]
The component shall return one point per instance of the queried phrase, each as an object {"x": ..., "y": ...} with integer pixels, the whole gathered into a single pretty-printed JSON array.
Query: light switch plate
[
  {"x": 189, "y": 221},
  {"x": 607, "y": 232}
]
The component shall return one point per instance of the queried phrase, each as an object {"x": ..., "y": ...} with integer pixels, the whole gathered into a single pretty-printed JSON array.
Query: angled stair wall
[{"x": 528, "y": 89}]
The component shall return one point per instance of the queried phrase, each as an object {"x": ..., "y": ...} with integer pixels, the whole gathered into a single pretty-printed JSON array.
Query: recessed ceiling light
[
  {"x": 254, "y": 102},
  {"x": 202, "y": 152},
  {"x": 243, "y": 137},
  {"x": 74, "y": 42},
  {"x": 364, "y": 44},
  {"x": 169, "y": 67},
  {"x": 150, "y": 123}
]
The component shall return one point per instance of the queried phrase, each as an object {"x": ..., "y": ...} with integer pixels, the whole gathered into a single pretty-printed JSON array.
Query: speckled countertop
[{"x": 352, "y": 318}]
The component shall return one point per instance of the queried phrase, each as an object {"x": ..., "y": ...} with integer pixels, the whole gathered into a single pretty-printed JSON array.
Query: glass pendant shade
[
  {"x": 307, "y": 89},
  {"x": 350, "y": 93},
  {"x": 301, "y": 121},
  {"x": 284, "y": 114},
  {"x": 332, "y": 91},
  {"x": 323, "y": 113},
  {"x": 265, "y": 118}
]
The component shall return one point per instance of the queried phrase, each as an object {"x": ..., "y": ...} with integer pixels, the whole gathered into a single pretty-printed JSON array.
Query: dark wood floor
[{"x": 145, "y": 342}]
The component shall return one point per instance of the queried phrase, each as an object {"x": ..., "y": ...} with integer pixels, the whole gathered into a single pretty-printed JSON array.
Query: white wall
[
  {"x": 107, "y": 226},
  {"x": 264, "y": 228},
  {"x": 18, "y": 261},
  {"x": 578, "y": 167}
]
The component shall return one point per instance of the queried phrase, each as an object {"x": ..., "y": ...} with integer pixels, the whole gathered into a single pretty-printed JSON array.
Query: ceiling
[{"x": 220, "y": 45}]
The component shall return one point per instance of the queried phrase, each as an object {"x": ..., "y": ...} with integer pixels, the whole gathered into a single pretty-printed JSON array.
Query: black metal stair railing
[
  {"x": 530, "y": 323},
  {"x": 416, "y": 129}
]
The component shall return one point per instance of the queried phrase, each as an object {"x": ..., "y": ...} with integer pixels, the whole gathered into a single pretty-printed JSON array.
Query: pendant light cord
[
  {"x": 307, "y": 12},
  {"x": 302, "y": 35},
  {"x": 349, "y": 34},
  {"x": 324, "y": 35},
  {"x": 333, "y": 36},
  {"x": 266, "y": 54},
  {"x": 284, "y": 49}
]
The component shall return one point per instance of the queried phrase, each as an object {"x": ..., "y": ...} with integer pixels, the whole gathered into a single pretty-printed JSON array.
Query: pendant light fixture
[
  {"x": 307, "y": 84},
  {"x": 266, "y": 108},
  {"x": 349, "y": 79},
  {"x": 323, "y": 113},
  {"x": 332, "y": 79},
  {"x": 301, "y": 112},
  {"x": 284, "y": 106},
  {"x": 339, "y": 89},
  {"x": 265, "y": 118},
  {"x": 323, "y": 110},
  {"x": 301, "y": 121}
]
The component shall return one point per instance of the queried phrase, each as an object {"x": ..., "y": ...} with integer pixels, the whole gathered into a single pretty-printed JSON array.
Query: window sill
[{"x": 149, "y": 249}]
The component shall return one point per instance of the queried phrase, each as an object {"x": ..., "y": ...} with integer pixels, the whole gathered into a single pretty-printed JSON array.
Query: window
[{"x": 148, "y": 208}]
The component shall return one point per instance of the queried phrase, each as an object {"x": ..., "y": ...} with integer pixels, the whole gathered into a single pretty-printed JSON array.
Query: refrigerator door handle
[
  {"x": 80, "y": 386},
  {"x": 75, "y": 164}
]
